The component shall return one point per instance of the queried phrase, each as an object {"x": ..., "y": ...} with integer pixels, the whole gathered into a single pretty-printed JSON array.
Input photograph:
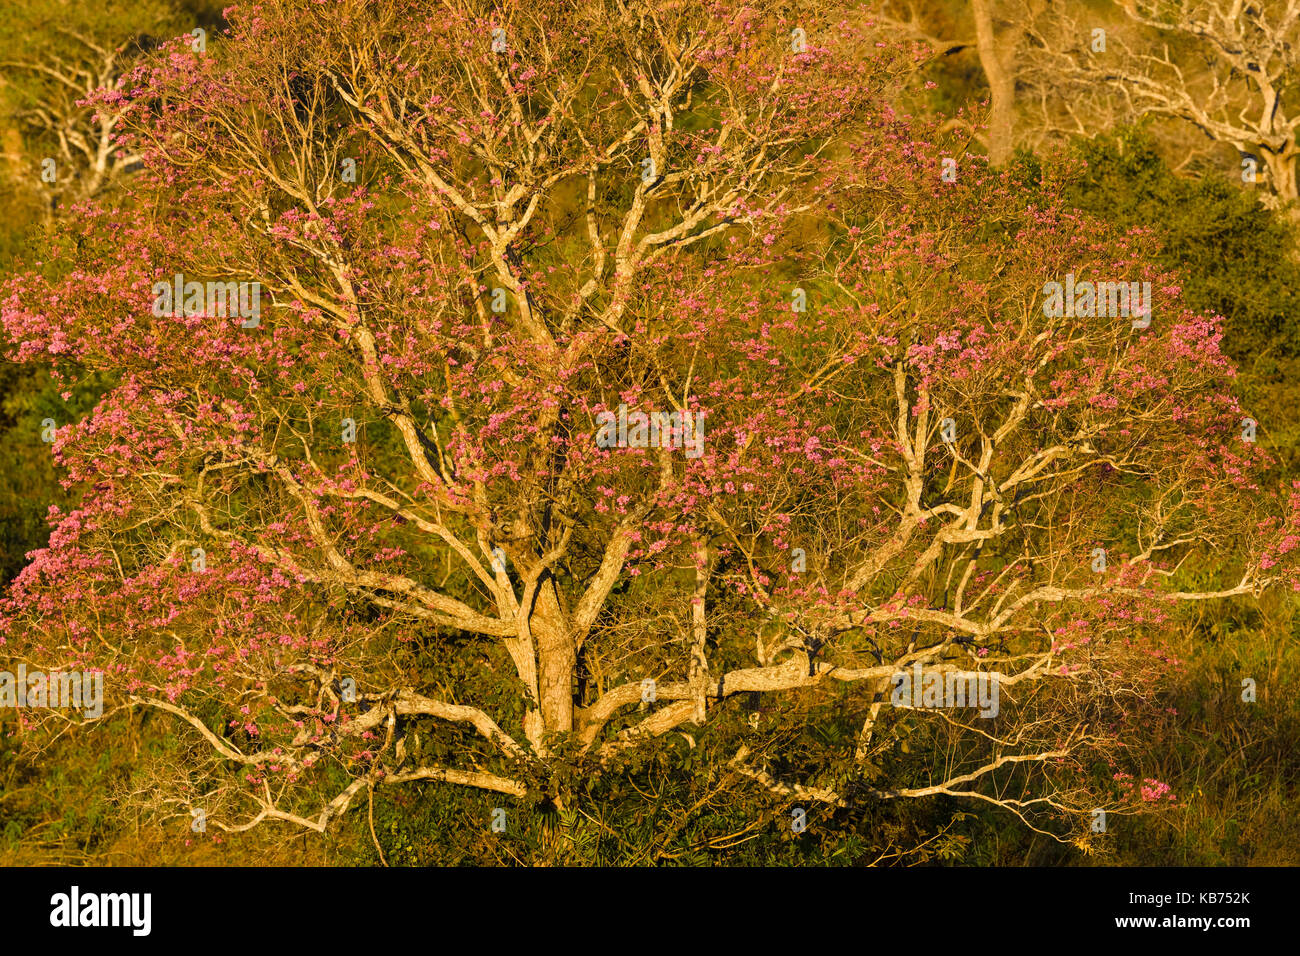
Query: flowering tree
[{"x": 626, "y": 373}]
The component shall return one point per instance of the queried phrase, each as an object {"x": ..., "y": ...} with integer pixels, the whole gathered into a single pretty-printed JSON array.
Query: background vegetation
[{"x": 1234, "y": 769}]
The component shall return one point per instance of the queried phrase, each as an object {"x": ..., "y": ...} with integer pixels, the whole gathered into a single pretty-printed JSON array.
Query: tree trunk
[
  {"x": 1002, "y": 85},
  {"x": 557, "y": 660},
  {"x": 1282, "y": 176}
]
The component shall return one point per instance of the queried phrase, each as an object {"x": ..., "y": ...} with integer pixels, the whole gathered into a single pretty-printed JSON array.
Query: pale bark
[
  {"x": 995, "y": 56},
  {"x": 1236, "y": 86}
]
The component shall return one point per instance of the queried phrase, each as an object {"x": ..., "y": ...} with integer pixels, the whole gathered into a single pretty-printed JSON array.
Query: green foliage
[
  {"x": 1238, "y": 260},
  {"x": 29, "y": 481},
  {"x": 1231, "y": 763}
]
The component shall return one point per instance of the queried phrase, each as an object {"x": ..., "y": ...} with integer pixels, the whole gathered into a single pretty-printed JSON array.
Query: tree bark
[
  {"x": 557, "y": 660},
  {"x": 1002, "y": 85},
  {"x": 1282, "y": 171}
]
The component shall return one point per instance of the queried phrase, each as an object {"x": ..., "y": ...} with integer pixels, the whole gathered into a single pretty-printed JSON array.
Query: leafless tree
[
  {"x": 1226, "y": 67},
  {"x": 81, "y": 137}
]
